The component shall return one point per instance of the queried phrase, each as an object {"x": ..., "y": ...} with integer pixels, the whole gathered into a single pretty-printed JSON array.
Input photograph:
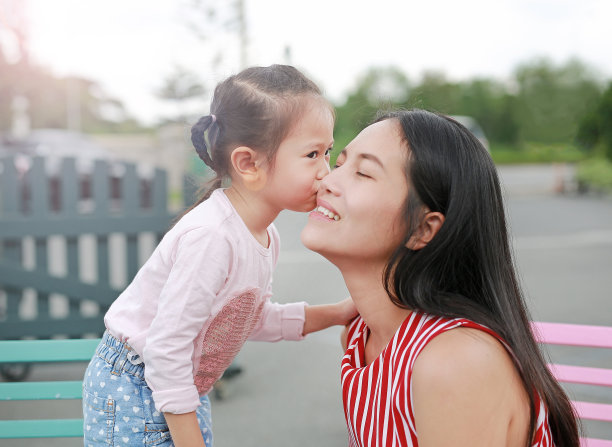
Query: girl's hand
[
  {"x": 184, "y": 429},
  {"x": 346, "y": 311},
  {"x": 326, "y": 315}
]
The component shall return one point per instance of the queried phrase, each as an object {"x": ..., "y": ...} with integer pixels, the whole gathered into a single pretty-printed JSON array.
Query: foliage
[
  {"x": 596, "y": 126},
  {"x": 536, "y": 153},
  {"x": 180, "y": 87},
  {"x": 595, "y": 173},
  {"x": 543, "y": 103},
  {"x": 552, "y": 100},
  {"x": 379, "y": 88}
]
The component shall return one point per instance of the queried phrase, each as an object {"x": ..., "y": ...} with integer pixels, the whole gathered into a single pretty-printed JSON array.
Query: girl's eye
[
  {"x": 361, "y": 174},
  {"x": 328, "y": 151},
  {"x": 313, "y": 154}
]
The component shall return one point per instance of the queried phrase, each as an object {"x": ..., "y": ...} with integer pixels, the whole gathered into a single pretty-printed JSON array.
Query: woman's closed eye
[{"x": 357, "y": 173}]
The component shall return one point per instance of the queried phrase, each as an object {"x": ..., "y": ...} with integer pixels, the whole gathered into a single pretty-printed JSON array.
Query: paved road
[{"x": 288, "y": 394}]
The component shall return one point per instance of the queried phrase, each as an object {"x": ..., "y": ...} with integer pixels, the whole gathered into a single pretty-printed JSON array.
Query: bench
[
  {"x": 585, "y": 336},
  {"x": 78, "y": 350},
  {"x": 43, "y": 351}
]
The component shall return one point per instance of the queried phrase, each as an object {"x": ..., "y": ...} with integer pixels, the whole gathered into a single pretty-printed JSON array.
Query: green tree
[
  {"x": 378, "y": 88},
  {"x": 180, "y": 87},
  {"x": 596, "y": 126},
  {"x": 552, "y": 100},
  {"x": 489, "y": 102},
  {"x": 436, "y": 93}
]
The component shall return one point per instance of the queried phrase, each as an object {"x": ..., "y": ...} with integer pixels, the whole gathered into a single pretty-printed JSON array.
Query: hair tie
[
  {"x": 214, "y": 118},
  {"x": 198, "y": 138}
]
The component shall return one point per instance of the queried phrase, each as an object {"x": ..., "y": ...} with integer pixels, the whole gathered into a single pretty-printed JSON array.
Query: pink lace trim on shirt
[{"x": 226, "y": 334}]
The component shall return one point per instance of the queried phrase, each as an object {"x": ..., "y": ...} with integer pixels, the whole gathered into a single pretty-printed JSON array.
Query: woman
[{"x": 442, "y": 352}]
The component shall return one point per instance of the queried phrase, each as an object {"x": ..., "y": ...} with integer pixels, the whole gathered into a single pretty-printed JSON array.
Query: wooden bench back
[
  {"x": 585, "y": 336},
  {"x": 43, "y": 351}
]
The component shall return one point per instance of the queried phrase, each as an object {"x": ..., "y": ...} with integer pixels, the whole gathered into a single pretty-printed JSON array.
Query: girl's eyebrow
[{"x": 319, "y": 144}]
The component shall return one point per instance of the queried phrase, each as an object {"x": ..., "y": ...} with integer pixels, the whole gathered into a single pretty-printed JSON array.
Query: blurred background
[{"x": 114, "y": 86}]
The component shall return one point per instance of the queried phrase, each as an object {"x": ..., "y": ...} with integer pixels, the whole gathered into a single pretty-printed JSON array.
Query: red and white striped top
[{"x": 377, "y": 397}]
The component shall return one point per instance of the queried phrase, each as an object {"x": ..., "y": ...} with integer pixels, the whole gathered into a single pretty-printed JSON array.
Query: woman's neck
[
  {"x": 255, "y": 214},
  {"x": 380, "y": 314}
]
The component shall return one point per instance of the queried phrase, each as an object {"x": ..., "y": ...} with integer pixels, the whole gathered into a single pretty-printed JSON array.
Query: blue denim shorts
[{"x": 118, "y": 408}]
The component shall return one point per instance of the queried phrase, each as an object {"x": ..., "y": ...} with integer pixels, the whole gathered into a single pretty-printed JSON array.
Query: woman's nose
[{"x": 328, "y": 183}]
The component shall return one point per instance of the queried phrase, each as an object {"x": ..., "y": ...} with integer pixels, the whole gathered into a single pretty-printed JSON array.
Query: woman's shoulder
[
  {"x": 463, "y": 348},
  {"x": 469, "y": 373}
]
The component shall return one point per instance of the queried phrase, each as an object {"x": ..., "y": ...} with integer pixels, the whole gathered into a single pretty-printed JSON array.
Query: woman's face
[{"x": 360, "y": 202}]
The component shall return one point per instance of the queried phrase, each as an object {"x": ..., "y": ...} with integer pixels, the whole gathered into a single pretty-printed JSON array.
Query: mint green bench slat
[
  {"x": 44, "y": 428},
  {"x": 43, "y": 351},
  {"x": 39, "y": 351},
  {"x": 41, "y": 390}
]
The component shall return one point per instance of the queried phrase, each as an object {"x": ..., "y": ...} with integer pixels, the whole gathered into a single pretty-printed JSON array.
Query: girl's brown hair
[{"x": 256, "y": 108}]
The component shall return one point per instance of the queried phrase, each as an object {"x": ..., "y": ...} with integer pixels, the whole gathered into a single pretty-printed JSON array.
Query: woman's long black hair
[{"x": 467, "y": 269}]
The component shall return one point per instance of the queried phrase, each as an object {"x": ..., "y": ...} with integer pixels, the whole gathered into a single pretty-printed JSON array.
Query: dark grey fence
[{"x": 56, "y": 225}]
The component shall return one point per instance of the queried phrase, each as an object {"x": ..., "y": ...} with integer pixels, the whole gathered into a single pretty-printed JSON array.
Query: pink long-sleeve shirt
[{"x": 203, "y": 292}]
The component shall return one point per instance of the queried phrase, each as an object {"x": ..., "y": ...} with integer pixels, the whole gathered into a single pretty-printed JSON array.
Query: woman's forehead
[{"x": 381, "y": 140}]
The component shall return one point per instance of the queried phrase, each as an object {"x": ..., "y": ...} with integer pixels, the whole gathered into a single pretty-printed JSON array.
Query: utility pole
[
  {"x": 73, "y": 104},
  {"x": 242, "y": 34}
]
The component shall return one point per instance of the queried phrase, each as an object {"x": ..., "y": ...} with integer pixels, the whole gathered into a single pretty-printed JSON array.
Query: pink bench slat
[
  {"x": 573, "y": 334},
  {"x": 588, "y": 336},
  {"x": 582, "y": 374},
  {"x": 589, "y": 442},
  {"x": 593, "y": 411}
]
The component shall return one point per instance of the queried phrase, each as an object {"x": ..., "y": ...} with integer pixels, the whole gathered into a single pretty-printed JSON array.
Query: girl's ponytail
[
  {"x": 203, "y": 136},
  {"x": 199, "y": 133}
]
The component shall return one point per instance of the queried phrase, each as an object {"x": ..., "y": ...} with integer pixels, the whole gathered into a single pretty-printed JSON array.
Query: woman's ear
[
  {"x": 248, "y": 166},
  {"x": 429, "y": 227}
]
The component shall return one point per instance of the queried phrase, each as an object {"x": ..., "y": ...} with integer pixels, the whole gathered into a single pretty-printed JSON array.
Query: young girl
[{"x": 206, "y": 288}]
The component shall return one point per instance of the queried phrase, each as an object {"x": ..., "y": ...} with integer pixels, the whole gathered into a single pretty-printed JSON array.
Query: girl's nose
[{"x": 323, "y": 169}]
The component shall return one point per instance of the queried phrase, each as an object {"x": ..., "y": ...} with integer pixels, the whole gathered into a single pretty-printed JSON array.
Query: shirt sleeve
[
  {"x": 200, "y": 268},
  {"x": 279, "y": 321}
]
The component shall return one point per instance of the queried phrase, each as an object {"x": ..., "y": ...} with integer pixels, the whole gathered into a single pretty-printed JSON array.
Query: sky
[{"x": 130, "y": 46}]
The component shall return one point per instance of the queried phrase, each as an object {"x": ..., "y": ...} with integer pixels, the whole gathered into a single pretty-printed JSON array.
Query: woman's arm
[
  {"x": 323, "y": 316},
  {"x": 467, "y": 392},
  {"x": 184, "y": 429}
]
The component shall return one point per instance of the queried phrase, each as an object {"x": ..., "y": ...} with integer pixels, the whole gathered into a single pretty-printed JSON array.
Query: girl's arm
[
  {"x": 326, "y": 315},
  {"x": 344, "y": 337},
  {"x": 184, "y": 429}
]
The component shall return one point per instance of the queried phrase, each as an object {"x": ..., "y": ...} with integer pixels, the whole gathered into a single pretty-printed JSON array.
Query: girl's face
[
  {"x": 302, "y": 159},
  {"x": 359, "y": 204}
]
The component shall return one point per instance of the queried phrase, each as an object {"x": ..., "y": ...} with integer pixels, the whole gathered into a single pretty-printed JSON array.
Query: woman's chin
[
  {"x": 313, "y": 241},
  {"x": 309, "y": 240}
]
